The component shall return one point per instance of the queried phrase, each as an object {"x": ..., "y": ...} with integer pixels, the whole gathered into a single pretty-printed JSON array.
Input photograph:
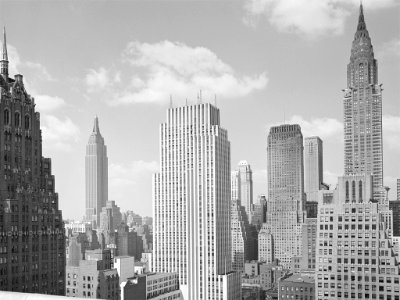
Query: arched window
[
  {"x": 27, "y": 122},
  {"x": 347, "y": 191},
  {"x": 360, "y": 193},
  {"x": 17, "y": 119},
  {"x": 6, "y": 117},
  {"x": 353, "y": 191}
]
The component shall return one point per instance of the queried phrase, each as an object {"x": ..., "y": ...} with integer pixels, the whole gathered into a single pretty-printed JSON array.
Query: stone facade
[{"x": 32, "y": 234}]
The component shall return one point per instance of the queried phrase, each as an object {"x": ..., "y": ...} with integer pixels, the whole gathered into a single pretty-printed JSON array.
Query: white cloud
[
  {"x": 310, "y": 18},
  {"x": 322, "y": 127},
  {"x": 58, "y": 133},
  {"x": 391, "y": 131},
  {"x": 98, "y": 80},
  {"x": 391, "y": 48},
  {"x": 127, "y": 175},
  {"x": 159, "y": 70},
  {"x": 46, "y": 103}
]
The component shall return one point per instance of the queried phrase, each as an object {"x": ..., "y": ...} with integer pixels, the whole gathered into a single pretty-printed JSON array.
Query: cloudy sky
[{"x": 265, "y": 60}]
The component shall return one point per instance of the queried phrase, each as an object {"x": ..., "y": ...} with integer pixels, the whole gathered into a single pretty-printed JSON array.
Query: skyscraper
[
  {"x": 313, "y": 167},
  {"x": 363, "y": 112},
  {"x": 191, "y": 204},
  {"x": 96, "y": 175},
  {"x": 285, "y": 203},
  {"x": 398, "y": 189},
  {"x": 245, "y": 191},
  {"x": 32, "y": 241}
]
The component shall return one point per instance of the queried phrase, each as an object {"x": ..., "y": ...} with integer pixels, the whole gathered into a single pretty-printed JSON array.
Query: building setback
[
  {"x": 96, "y": 165},
  {"x": 286, "y": 201},
  {"x": 32, "y": 255},
  {"x": 239, "y": 232},
  {"x": 191, "y": 209}
]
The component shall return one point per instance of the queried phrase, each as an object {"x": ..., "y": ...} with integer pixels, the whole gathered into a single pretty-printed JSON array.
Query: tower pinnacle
[
  {"x": 96, "y": 128},
  {"x": 4, "y": 56},
  {"x": 361, "y": 22}
]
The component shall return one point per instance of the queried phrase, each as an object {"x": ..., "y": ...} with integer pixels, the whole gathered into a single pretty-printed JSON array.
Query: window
[
  {"x": 17, "y": 119},
  {"x": 6, "y": 117},
  {"x": 27, "y": 122}
]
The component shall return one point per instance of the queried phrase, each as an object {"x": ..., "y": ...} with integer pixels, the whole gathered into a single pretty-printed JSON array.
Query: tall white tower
[
  {"x": 96, "y": 163},
  {"x": 191, "y": 204},
  {"x": 313, "y": 167}
]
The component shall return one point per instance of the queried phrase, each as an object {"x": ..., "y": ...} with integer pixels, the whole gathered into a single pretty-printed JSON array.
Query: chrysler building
[{"x": 363, "y": 152}]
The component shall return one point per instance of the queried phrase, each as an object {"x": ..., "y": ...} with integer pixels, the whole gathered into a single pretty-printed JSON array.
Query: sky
[{"x": 267, "y": 62}]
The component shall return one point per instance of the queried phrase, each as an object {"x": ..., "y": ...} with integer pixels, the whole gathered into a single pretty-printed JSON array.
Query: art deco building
[
  {"x": 313, "y": 167},
  {"x": 362, "y": 101},
  {"x": 96, "y": 175},
  {"x": 32, "y": 245},
  {"x": 191, "y": 204},
  {"x": 286, "y": 203},
  {"x": 355, "y": 255},
  {"x": 110, "y": 217}
]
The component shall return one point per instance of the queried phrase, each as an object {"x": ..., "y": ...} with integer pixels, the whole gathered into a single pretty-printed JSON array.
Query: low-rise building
[
  {"x": 160, "y": 286},
  {"x": 297, "y": 286}
]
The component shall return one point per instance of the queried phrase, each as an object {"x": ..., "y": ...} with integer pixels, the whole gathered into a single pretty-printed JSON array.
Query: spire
[
  {"x": 361, "y": 22},
  {"x": 96, "y": 128},
  {"x": 4, "y": 57}
]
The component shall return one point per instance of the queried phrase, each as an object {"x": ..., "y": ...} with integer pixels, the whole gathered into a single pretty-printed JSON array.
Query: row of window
[{"x": 17, "y": 119}]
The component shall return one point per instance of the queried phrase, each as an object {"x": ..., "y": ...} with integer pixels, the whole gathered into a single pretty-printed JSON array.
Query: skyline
[{"x": 257, "y": 78}]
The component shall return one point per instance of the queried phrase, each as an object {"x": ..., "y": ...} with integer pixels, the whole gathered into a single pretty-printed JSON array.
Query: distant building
[
  {"x": 398, "y": 189},
  {"x": 80, "y": 227},
  {"x": 128, "y": 243},
  {"x": 96, "y": 165},
  {"x": 93, "y": 277},
  {"x": 297, "y": 286},
  {"x": 110, "y": 217},
  {"x": 160, "y": 286},
  {"x": 147, "y": 258},
  {"x": 394, "y": 206},
  {"x": 258, "y": 212},
  {"x": 133, "y": 219},
  {"x": 147, "y": 221},
  {"x": 265, "y": 245},
  {"x": 286, "y": 200},
  {"x": 309, "y": 244},
  {"x": 242, "y": 186},
  {"x": 125, "y": 266},
  {"x": 239, "y": 234},
  {"x": 313, "y": 167}
]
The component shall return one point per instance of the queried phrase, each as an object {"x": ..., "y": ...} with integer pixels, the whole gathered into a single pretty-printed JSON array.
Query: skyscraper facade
[
  {"x": 398, "y": 189},
  {"x": 191, "y": 204},
  {"x": 239, "y": 233},
  {"x": 355, "y": 256},
  {"x": 313, "y": 167},
  {"x": 285, "y": 203},
  {"x": 363, "y": 152},
  {"x": 32, "y": 242},
  {"x": 96, "y": 163},
  {"x": 246, "y": 185}
]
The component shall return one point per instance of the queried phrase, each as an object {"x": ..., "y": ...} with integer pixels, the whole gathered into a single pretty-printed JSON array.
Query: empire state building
[{"x": 363, "y": 151}]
